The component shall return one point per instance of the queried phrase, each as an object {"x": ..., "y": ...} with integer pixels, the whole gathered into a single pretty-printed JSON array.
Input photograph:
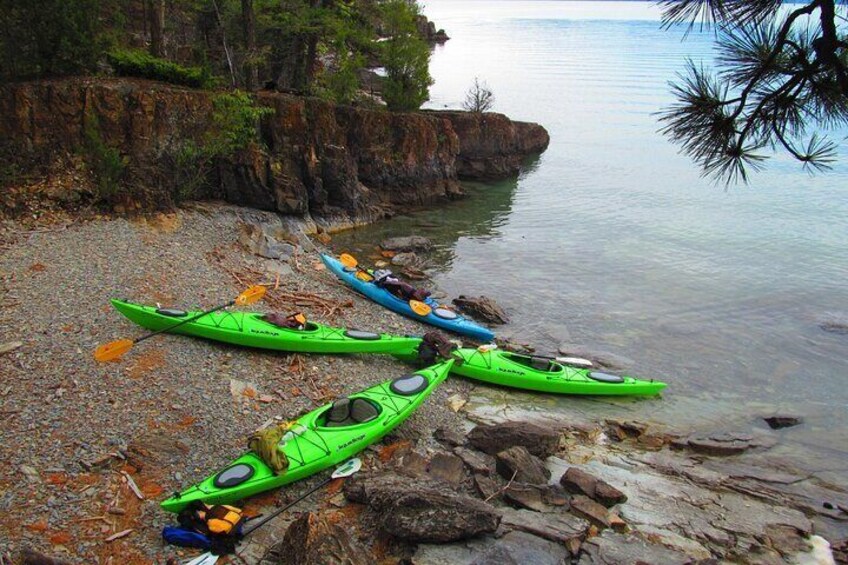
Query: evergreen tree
[
  {"x": 782, "y": 75},
  {"x": 405, "y": 56}
]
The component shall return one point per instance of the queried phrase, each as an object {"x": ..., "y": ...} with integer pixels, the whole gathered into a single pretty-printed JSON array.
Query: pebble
[{"x": 30, "y": 473}]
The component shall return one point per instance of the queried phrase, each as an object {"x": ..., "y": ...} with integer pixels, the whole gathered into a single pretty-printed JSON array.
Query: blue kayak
[{"x": 440, "y": 316}]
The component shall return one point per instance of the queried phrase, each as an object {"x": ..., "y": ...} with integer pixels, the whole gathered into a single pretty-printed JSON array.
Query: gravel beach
[{"x": 164, "y": 414}]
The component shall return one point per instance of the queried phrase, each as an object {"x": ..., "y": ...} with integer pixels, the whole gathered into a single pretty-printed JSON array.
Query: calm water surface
[{"x": 612, "y": 239}]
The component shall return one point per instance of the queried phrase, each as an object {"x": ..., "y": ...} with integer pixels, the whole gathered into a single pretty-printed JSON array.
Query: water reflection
[{"x": 480, "y": 215}]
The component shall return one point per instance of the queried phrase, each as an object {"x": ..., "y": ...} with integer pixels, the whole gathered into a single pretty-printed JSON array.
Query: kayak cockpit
[
  {"x": 536, "y": 363},
  {"x": 347, "y": 411}
]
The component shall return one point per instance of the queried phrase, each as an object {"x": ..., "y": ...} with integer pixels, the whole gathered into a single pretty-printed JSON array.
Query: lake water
[{"x": 613, "y": 240}]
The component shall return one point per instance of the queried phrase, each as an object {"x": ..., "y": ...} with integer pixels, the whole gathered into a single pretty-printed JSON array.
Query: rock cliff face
[
  {"x": 346, "y": 165},
  {"x": 491, "y": 146}
]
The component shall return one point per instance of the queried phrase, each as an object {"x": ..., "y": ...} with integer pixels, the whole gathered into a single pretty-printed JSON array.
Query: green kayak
[
  {"x": 320, "y": 439},
  {"x": 541, "y": 374},
  {"x": 249, "y": 329}
]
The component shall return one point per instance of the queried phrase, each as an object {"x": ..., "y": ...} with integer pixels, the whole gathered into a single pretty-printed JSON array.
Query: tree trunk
[
  {"x": 224, "y": 43},
  {"x": 157, "y": 27},
  {"x": 251, "y": 71}
]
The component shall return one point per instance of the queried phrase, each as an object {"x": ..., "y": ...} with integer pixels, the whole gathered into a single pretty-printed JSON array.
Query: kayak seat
[
  {"x": 349, "y": 412},
  {"x": 408, "y": 385},
  {"x": 361, "y": 334},
  {"x": 171, "y": 312},
  {"x": 540, "y": 363},
  {"x": 232, "y": 476},
  {"x": 445, "y": 314},
  {"x": 605, "y": 377}
]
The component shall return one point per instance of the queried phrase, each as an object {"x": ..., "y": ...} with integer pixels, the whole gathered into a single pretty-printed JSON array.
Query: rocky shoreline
[{"x": 455, "y": 484}]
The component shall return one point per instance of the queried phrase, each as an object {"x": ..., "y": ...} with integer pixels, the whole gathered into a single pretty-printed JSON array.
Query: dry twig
[{"x": 502, "y": 489}]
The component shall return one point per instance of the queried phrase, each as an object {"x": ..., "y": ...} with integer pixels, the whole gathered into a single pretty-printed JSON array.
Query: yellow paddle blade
[
  {"x": 348, "y": 260},
  {"x": 301, "y": 319},
  {"x": 251, "y": 295},
  {"x": 113, "y": 350},
  {"x": 363, "y": 276},
  {"x": 419, "y": 307}
]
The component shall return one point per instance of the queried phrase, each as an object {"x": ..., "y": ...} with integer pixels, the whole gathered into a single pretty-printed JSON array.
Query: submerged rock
[
  {"x": 780, "y": 422},
  {"x": 836, "y": 323},
  {"x": 407, "y": 243},
  {"x": 482, "y": 308},
  {"x": 725, "y": 443},
  {"x": 541, "y": 442},
  {"x": 406, "y": 259}
]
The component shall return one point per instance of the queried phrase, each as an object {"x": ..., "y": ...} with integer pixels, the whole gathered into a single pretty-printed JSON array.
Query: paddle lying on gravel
[
  {"x": 115, "y": 349},
  {"x": 350, "y": 467},
  {"x": 350, "y": 261}
]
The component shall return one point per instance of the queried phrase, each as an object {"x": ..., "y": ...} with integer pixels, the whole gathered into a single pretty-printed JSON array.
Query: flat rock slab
[
  {"x": 560, "y": 528},
  {"x": 727, "y": 443},
  {"x": 521, "y": 548},
  {"x": 611, "y": 548},
  {"x": 516, "y": 463},
  {"x": 539, "y": 441},
  {"x": 673, "y": 504}
]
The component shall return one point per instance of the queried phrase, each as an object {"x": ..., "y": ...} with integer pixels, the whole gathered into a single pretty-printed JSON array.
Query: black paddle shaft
[
  {"x": 193, "y": 318},
  {"x": 279, "y": 511}
]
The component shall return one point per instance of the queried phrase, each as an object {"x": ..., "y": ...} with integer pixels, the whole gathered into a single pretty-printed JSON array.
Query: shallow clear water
[{"x": 612, "y": 239}]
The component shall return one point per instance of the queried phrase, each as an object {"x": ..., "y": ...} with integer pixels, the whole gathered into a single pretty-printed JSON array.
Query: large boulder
[
  {"x": 482, "y": 308},
  {"x": 422, "y": 510},
  {"x": 541, "y": 442}
]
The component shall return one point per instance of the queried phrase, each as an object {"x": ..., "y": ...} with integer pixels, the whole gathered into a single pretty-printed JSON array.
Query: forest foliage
[{"x": 315, "y": 47}]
